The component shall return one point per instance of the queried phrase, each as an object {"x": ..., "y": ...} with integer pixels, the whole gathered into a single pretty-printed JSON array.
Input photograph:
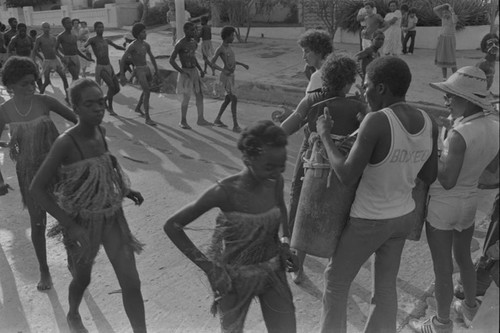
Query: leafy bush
[
  {"x": 469, "y": 12},
  {"x": 157, "y": 15}
]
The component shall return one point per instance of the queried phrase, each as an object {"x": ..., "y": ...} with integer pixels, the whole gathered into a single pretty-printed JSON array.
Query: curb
[{"x": 262, "y": 92}]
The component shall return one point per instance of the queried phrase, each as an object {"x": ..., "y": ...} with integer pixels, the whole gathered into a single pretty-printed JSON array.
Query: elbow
[
  {"x": 170, "y": 228},
  {"x": 447, "y": 184}
]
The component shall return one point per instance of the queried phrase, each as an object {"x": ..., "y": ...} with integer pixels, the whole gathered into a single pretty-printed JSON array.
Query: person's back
[
  {"x": 344, "y": 112},
  {"x": 385, "y": 187}
]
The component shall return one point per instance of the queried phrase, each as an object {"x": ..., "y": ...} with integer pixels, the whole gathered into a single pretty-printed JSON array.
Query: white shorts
[{"x": 452, "y": 212}]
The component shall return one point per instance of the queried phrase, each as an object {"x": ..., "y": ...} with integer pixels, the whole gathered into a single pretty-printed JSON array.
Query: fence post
[
  {"x": 65, "y": 11},
  {"x": 111, "y": 15},
  {"x": 28, "y": 15}
]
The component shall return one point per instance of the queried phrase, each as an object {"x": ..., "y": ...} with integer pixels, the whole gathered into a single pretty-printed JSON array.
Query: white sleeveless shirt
[
  {"x": 480, "y": 133},
  {"x": 385, "y": 188}
]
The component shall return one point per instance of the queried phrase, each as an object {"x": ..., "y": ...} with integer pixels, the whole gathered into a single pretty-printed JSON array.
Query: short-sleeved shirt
[{"x": 412, "y": 22}]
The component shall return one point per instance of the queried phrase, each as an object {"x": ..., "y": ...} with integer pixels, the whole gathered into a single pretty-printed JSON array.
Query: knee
[
  {"x": 82, "y": 280},
  {"x": 130, "y": 283}
]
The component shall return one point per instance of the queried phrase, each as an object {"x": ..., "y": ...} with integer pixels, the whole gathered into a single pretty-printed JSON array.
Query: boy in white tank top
[{"x": 396, "y": 143}]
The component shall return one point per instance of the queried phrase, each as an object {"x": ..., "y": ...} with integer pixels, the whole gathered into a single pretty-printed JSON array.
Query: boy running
[
  {"x": 226, "y": 53},
  {"x": 137, "y": 52},
  {"x": 103, "y": 68},
  {"x": 70, "y": 52},
  {"x": 189, "y": 80},
  {"x": 47, "y": 44}
]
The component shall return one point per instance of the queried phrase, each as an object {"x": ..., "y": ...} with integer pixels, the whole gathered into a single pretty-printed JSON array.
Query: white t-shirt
[{"x": 315, "y": 82}]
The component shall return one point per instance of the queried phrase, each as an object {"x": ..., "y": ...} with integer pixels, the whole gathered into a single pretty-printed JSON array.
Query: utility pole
[{"x": 180, "y": 18}]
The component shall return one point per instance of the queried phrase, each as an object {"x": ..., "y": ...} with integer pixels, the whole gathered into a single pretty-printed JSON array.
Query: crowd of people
[{"x": 361, "y": 159}]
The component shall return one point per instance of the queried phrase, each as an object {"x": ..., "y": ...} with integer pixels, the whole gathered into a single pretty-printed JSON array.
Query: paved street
[{"x": 171, "y": 167}]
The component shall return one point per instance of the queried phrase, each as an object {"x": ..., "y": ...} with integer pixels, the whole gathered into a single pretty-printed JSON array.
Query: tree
[
  {"x": 32, "y": 3},
  {"x": 241, "y": 12},
  {"x": 325, "y": 10}
]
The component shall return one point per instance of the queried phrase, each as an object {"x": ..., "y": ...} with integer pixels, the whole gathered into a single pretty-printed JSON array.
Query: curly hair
[
  {"x": 318, "y": 41},
  {"x": 391, "y": 71},
  {"x": 76, "y": 88},
  {"x": 485, "y": 39},
  {"x": 262, "y": 133},
  {"x": 338, "y": 71},
  {"x": 15, "y": 68},
  {"x": 227, "y": 31}
]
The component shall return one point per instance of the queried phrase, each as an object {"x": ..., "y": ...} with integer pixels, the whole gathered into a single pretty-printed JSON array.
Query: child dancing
[
  {"x": 32, "y": 133},
  {"x": 246, "y": 259},
  {"x": 88, "y": 204}
]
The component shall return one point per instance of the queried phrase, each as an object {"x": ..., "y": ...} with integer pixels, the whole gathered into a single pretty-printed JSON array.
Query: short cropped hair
[
  {"x": 227, "y": 31},
  {"x": 76, "y": 88},
  {"x": 11, "y": 20},
  {"x": 369, "y": 3},
  {"x": 65, "y": 19},
  {"x": 260, "y": 134},
  {"x": 391, "y": 71},
  {"x": 15, "y": 68},
  {"x": 187, "y": 25},
  {"x": 412, "y": 10},
  {"x": 22, "y": 25},
  {"x": 97, "y": 23},
  {"x": 318, "y": 41},
  {"x": 338, "y": 71},
  {"x": 404, "y": 7}
]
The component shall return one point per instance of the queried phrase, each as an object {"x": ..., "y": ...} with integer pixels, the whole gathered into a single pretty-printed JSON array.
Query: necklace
[{"x": 24, "y": 115}]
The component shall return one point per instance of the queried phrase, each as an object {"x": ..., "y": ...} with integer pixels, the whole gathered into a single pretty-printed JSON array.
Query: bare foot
[
  {"x": 75, "y": 324},
  {"x": 112, "y": 112},
  {"x": 45, "y": 282},
  {"x": 203, "y": 122},
  {"x": 184, "y": 126}
]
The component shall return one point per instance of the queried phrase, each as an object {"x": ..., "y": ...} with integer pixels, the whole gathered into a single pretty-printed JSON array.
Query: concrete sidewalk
[{"x": 276, "y": 67}]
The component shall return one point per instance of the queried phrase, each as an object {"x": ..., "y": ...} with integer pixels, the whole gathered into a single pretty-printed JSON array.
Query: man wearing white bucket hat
[{"x": 470, "y": 147}]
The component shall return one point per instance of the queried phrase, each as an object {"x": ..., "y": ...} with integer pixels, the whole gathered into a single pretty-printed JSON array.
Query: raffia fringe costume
[
  {"x": 29, "y": 145},
  {"x": 247, "y": 247},
  {"x": 91, "y": 191}
]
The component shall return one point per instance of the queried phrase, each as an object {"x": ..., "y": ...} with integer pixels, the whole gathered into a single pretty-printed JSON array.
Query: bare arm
[
  {"x": 59, "y": 108},
  {"x": 242, "y": 65},
  {"x": 38, "y": 189},
  {"x": 152, "y": 58},
  {"x": 214, "y": 59},
  {"x": 173, "y": 58},
  {"x": 35, "y": 53},
  {"x": 58, "y": 47},
  {"x": 438, "y": 9},
  {"x": 296, "y": 120},
  {"x": 450, "y": 164},
  {"x": 493, "y": 166},
  {"x": 174, "y": 227},
  {"x": 11, "y": 46},
  {"x": 116, "y": 46},
  {"x": 429, "y": 170},
  {"x": 349, "y": 169}
]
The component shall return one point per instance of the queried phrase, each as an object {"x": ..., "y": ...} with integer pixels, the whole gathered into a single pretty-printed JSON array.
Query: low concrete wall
[{"x": 467, "y": 39}]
